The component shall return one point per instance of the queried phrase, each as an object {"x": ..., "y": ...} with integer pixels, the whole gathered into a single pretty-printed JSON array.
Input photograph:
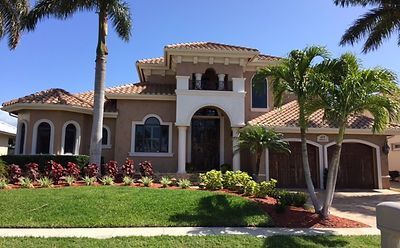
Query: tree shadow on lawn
[
  {"x": 305, "y": 241},
  {"x": 224, "y": 210}
]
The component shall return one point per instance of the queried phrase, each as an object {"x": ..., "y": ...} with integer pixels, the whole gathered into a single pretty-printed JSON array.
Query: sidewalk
[{"x": 103, "y": 233}]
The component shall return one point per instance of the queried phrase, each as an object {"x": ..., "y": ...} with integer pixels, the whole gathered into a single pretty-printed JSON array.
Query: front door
[{"x": 205, "y": 144}]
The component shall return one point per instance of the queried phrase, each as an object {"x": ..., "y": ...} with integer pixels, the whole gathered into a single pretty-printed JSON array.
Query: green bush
[
  {"x": 3, "y": 183},
  {"x": 41, "y": 160},
  {"x": 250, "y": 187},
  {"x": 26, "y": 183},
  {"x": 45, "y": 182},
  {"x": 3, "y": 169},
  {"x": 212, "y": 179},
  {"x": 165, "y": 182},
  {"x": 300, "y": 199},
  {"x": 266, "y": 188},
  {"x": 228, "y": 180},
  {"x": 89, "y": 180},
  {"x": 70, "y": 180},
  {"x": 232, "y": 179},
  {"x": 147, "y": 181},
  {"x": 127, "y": 180},
  {"x": 184, "y": 183},
  {"x": 297, "y": 199}
]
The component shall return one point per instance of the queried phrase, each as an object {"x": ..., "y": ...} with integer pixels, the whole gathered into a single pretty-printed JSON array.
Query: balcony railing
[{"x": 216, "y": 86}]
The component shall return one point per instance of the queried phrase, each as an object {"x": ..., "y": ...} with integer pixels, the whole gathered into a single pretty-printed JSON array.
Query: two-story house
[{"x": 186, "y": 112}]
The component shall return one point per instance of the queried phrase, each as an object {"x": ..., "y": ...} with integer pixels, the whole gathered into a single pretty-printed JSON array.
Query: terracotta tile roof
[
  {"x": 51, "y": 96},
  {"x": 288, "y": 115},
  {"x": 264, "y": 57},
  {"x": 143, "y": 89},
  {"x": 159, "y": 60},
  {"x": 210, "y": 46}
]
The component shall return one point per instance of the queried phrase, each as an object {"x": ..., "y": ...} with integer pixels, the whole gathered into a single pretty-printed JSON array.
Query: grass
[
  {"x": 108, "y": 206},
  {"x": 198, "y": 241}
]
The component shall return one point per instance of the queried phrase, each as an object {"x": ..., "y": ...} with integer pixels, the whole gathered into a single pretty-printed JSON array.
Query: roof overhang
[
  {"x": 388, "y": 131},
  {"x": 142, "y": 97}
]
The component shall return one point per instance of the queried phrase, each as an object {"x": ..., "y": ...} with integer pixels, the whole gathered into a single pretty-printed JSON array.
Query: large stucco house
[{"x": 186, "y": 112}]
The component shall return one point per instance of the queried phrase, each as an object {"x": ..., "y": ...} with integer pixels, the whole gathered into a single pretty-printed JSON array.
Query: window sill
[
  {"x": 259, "y": 109},
  {"x": 106, "y": 146},
  {"x": 151, "y": 154}
]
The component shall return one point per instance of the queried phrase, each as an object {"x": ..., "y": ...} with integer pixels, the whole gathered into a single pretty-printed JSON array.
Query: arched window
[
  {"x": 259, "y": 93},
  {"x": 21, "y": 140},
  {"x": 152, "y": 136},
  {"x": 43, "y": 138},
  {"x": 209, "y": 80},
  {"x": 106, "y": 137},
  {"x": 70, "y": 139}
]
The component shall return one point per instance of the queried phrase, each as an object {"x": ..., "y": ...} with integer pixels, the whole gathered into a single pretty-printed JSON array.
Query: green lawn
[
  {"x": 197, "y": 242},
  {"x": 112, "y": 206}
]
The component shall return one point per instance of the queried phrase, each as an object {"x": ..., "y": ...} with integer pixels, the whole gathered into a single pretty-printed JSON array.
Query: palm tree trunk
[
  {"x": 307, "y": 172},
  {"x": 99, "y": 85},
  {"x": 332, "y": 173},
  {"x": 258, "y": 161}
]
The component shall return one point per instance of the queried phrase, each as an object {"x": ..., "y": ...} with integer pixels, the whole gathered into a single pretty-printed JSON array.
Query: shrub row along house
[{"x": 185, "y": 113}]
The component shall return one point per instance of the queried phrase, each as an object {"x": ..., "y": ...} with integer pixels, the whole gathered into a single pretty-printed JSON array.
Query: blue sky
[{"x": 62, "y": 53}]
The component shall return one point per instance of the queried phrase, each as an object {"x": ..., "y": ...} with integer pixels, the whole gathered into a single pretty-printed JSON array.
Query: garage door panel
[
  {"x": 356, "y": 168},
  {"x": 288, "y": 168}
]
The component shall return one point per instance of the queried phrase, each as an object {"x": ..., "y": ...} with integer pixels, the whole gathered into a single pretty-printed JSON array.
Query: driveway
[{"x": 360, "y": 205}]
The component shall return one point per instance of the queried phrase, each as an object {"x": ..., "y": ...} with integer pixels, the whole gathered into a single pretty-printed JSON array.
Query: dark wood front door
[
  {"x": 356, "y": 168},
  {"x": 205, "y": 144},
  {"x": 288, "y": 168}
]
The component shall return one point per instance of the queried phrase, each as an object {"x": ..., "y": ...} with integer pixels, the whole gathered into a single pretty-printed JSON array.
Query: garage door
[
  {"x": 356, "y": 169},
  {"x": 288, "y": 168}
]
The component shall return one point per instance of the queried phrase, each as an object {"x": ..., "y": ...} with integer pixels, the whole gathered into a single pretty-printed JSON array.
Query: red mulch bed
[{"x": 292, "y": 217}]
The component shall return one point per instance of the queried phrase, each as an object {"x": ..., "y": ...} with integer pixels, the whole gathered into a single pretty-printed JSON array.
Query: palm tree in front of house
[
  {"x": 257, "y": 138},
  {"x": 119, "y": 13},
  {"x": 12, "y": 13},
  {"x": 292, "y": 75},
  {"x": 378, "y": 24},
  {"x": 346, "y": 89}
]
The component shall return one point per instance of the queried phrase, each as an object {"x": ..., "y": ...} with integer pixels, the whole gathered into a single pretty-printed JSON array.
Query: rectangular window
[{"x": 151, "y": 138}]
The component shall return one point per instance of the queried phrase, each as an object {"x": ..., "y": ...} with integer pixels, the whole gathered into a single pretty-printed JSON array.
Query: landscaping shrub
[
  {"x": 147, "y": 181},
  {"x": 41, "y": 160},
  {"x": 184, "y": 183},
  {"x": 266, "y": 188},
  {"x": 127, "y": 180},
  {"x": 3, "y": 169},
  {"x": 111, "y": 168},
  {"x": 72, "y": 170},
  {"x": 70, "y": 180},
  {"x": 25, "y": 182},
  {"x": 128, "y": 168},
  {"x": 235, "y": 180},
  {"x": 14, "y": 173},
  {"x": 3, "y": 183},
  {"x": 146, "y": 169},
  {"x": 32, "y": 171},
  {"x": 299, "y": 199},
  {"x": 89, "y": 180},
  {"x": 212, "y": 179},
  {"x": 165, "y": 182},
  {"x": 45, "y": 182},
  {"x": 107, "y": 180},
  {"x": 54, "y": 171},
  {"x": 250, "y": 187},
  {"x": 91, "y": 170}
]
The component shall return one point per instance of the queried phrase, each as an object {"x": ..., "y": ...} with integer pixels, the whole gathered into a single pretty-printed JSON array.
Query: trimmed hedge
[{"x": 41, "y": 160}]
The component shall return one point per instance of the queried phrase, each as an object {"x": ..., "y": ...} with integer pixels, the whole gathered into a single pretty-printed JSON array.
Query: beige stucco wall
[
  {"x": 4, "y": 144},
  {"x": 394, "y": 156}
]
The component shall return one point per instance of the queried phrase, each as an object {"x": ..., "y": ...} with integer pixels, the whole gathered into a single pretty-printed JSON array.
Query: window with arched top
[
  {"x": 106, "y": 137},
  {"x": 259, "y": 93},
  {"x": 21, "y": 140},
  {"x": 152, "y": 136},
  {"x": 43, "y": 138},
  {"x": 209, "y": 80},
  {"x": 70, "y": 137}
]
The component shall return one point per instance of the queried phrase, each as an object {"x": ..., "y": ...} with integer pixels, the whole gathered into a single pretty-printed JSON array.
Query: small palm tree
[
  {"x": 12, "y": 13},
  {"x": 119, "y": 13},
  {"x": 258, "y": 138},
  {"x": 345, "y": 90},
  {"x": 292, "y": 75},
  {"x": 378, "y": 24}
]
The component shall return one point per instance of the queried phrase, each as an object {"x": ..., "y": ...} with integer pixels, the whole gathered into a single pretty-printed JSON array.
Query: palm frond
[
  {"x": 120, "y": 15},
  {"x": 11, "y": 14},
  {"x": 363, "y": 3}
]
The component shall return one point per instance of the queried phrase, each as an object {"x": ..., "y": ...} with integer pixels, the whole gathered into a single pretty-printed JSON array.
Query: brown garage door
[
  {"x": 288, "y": 168},
  {"x": 356, "y": 169}
]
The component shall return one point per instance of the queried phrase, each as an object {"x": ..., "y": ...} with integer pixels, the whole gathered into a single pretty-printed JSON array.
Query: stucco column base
[{"x": 182, "y": 149}]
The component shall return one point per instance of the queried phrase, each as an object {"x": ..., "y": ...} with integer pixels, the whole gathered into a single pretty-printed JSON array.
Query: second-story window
[{"x": 259, "y": 93}]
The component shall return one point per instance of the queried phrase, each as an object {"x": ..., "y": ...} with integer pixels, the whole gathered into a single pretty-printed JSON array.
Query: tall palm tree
[
  {"x": 378, "y": 24},
  {"x": 12, "y": 13},
  {"x": 292, "y": 75},
  {"x": 119, "y": 13},
  {"x": 256, "y": 139},
  {"x": 346, "y": 89}
]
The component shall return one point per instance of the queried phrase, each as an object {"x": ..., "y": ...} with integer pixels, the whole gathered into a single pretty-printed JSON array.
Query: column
[
  {"x": 182, "y": 82},
  {"x": 236, "y": 155},
  {"x": 238, "y": 84},
  {"x": 182, "y": 149},
  {"x": 198, "y": 76},
  {"x": 221, "y": 81}
]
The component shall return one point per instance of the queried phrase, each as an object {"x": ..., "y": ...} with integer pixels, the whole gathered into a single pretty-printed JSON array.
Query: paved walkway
[
  {"x": 360, "y": 205},
  {"x": 103, "y": 233}
]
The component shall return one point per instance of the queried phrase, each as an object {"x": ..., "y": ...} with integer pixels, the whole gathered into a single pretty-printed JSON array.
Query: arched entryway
[{"x": 359, "y": 163}]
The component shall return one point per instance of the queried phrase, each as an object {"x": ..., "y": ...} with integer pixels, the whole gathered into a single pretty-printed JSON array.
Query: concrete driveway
[{"x": 360, "y": 205}]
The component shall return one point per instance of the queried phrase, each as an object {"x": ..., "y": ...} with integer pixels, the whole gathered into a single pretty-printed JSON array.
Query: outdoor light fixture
[{"x": 386, "y": 148}]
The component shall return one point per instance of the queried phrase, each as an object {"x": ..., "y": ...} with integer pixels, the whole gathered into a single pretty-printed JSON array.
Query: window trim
[
  {"x": 18, "y": 138},
  {"x": 108, "y": 145},
  {"x": 251, "y": 97},
  {"x": 394, "y": 145},
  {"x": 151, "y": 154},
  {"x": 34, "y": 136},
  {"x": 77, "y": 138}
]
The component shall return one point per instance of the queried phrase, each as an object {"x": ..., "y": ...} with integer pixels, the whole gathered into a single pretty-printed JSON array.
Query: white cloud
[{"x": 5, "y": 117}]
